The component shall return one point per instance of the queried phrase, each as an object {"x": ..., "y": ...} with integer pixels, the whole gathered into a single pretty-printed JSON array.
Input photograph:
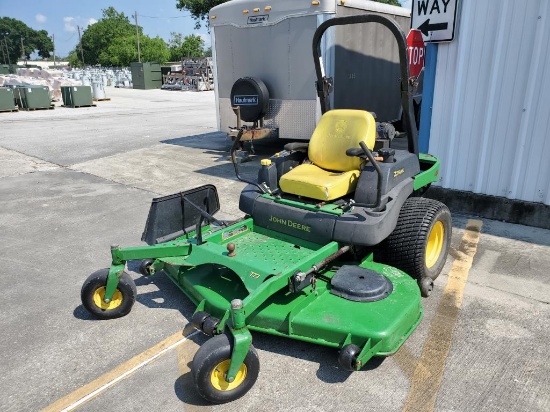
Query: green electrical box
[
  {"x": 7, "y": 100},
  {"x": 33, "y": 97},
  {"x": 77, "y": 96},
  {"x": 146, "y": 75},
  {"x": 4, "y": 69}
]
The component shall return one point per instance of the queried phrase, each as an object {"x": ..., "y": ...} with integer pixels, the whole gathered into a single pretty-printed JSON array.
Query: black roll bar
[{"x": 323, "y": 86}]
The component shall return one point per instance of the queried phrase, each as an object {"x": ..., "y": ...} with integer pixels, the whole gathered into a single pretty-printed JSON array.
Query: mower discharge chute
[{"x": 336, "y": 247}]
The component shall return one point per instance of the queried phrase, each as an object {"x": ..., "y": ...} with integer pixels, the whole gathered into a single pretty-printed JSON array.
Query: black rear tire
[{"x": 419, "y": 244}]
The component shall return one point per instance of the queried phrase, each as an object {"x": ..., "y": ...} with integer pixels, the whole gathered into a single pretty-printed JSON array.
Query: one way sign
[{"x": 435, "y": 19}]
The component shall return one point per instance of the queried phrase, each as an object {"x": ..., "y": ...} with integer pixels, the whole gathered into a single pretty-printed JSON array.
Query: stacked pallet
[{"x": 36, "y": 77}]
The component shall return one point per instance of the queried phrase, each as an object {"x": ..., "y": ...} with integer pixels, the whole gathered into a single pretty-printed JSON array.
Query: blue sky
[{"x": 61, "y": 17}]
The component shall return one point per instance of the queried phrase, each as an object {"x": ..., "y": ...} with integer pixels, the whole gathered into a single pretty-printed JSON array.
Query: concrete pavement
[{"x": 73, "y": 181}]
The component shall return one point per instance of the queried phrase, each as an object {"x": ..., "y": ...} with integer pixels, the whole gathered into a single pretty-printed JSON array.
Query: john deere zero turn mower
[{"x": 336, "y": 247}]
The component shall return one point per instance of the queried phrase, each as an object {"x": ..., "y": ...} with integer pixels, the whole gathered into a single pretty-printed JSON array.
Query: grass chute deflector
[{"x": 337, "y": 252}]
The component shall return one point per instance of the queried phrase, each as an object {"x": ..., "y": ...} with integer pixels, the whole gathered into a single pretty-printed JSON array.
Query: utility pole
[
  {"x": 3, "y": 53},
  {"x": 23, "y": 51},
  {"x": 137, "y": 35},
  {"x": 7, "y": 49},
  {"x": 80, "y": 42},
  {"x": 53, "y": 41}
]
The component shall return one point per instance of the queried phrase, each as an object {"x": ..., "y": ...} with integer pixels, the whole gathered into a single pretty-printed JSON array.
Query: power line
[
  {"x": 163, "y": 17},
  {"x": 70, "y": 37}
]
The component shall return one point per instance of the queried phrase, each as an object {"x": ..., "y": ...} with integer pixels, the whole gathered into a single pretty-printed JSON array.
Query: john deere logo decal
[
  {"x": 290, "y": 223},
  {"x": 246, "y": 100}
]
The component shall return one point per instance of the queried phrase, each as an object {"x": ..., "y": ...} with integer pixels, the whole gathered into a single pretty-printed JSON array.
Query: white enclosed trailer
[{"x": 272, "y": 41}]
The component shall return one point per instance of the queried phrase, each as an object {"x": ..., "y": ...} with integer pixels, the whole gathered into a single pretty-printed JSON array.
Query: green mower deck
[
  {"x": 266, "y": 262},
  {"x": 313, "y": 314}
]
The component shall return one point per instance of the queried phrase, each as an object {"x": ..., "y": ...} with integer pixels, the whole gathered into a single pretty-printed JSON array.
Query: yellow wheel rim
[
  {"x": 435, "y": 244},
  {"x": 217, "y": 377},
  {"x": 99, "y": 294}
]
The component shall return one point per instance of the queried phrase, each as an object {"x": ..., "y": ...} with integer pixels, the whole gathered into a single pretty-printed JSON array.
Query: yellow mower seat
[{"x": 333, "y": 174}]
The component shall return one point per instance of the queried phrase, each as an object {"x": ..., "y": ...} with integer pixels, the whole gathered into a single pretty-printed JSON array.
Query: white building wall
[{"x": 491, "y": 110}]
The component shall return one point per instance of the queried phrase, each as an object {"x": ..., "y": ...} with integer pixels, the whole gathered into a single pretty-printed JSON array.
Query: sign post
[{"x": 435, "y": 19}]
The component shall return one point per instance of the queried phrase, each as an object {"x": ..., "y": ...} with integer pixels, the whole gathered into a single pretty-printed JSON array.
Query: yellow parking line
[
  {"x": 429, "y": 370},
  {"x": 192, "y": 400},
  {"x": 121, "y": 372}
]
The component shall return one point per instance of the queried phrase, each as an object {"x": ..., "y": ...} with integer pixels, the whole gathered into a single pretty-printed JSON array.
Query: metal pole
[
  {"x": 7, "y": 50},
  {"x": 53, "y": 41},
  {"x": 3, "y": 54},
  {"x": 23, "y": 51},
  {"x": 137, "y": 35},
  {"x": 80, "y": 41},
  {"x": 428, "y": 90}
]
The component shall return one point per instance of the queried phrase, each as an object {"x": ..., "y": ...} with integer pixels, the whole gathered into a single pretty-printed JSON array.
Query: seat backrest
[{"x": 337, "y": 131}]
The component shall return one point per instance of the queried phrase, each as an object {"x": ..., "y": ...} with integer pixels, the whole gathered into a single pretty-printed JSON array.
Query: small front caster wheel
[
  {"x": 347, "y": 358},
  {"x": 198, "y": 319},
  {"x": 210, "y": 326},
  {"x": 93, "y": 293},
  {"x": 426, "y": 285},
  {"x": 210, "y": 366},
  {"x": 145, "y": 267}
]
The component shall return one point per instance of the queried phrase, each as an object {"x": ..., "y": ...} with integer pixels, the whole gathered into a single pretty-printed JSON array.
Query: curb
[{"x": 493, "y": 207}]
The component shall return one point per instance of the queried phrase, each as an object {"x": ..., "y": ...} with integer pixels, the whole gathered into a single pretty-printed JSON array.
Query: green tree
[
  {"x": 175, "y": 46},
  {"x": 107, "y": 41},
  {"x": 182, "y": 47},
  {"x": 392, "y": 2},
  {"x": 112, "y": 42},
  {"x": 121, "y": 51},
  {"x": 199, "y": 8},
  {"x": 73, "y": 59},
  {"x": 154, "y": 50},
  {"x": 11, "y": 33}
]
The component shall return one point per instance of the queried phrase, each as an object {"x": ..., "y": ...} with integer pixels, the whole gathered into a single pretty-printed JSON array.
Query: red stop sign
[{"x": 416, "y": 50}]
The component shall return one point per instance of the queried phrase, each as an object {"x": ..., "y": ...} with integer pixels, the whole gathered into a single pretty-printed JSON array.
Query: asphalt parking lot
[{"x": 74, "y": 181}]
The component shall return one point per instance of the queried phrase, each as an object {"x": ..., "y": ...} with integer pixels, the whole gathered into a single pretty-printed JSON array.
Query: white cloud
[
  {"x": 406, "y": 3},
  {"x": 72, "y": 22},
  {"x": 69, "y": 24},
  {"x": 40, "y": 18}
]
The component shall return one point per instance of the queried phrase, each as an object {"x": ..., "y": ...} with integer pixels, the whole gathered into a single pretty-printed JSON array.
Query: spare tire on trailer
[{"x": 252, "y": 96}]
